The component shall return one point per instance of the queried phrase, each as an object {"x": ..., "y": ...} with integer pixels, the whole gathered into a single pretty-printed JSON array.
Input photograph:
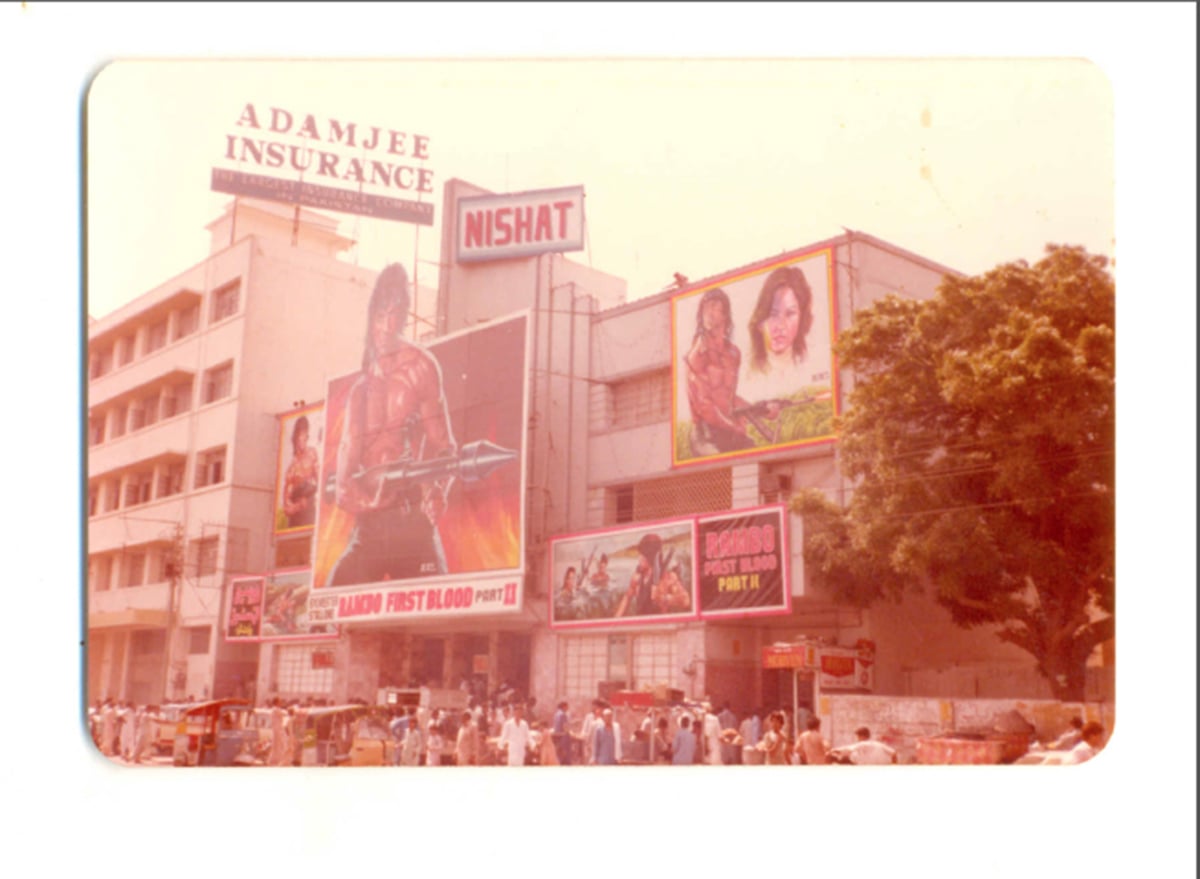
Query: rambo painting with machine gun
[
  {"x": 397, "y": 457},
  {"x": 767, "y": 415},
  {"x": 471, "y": 464}
]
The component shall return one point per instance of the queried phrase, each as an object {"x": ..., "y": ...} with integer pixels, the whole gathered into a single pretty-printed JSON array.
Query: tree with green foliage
[{"x": 979, "y": 439}]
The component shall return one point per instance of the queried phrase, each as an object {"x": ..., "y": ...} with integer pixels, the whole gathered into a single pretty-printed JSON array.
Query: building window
[
  {"x": 643, "y": 399},
  {"x": 178, "y": 399},
  {"x": 133, "y": 568},
  {"x": 93, "y": 499},
  {"x": 633, "y": 661},
  {"x": 295, "y": 673},
  {"x": 143, "y": 413},
  {"x": 125, "y": 347},
  {"x": 653, "y": 661},
  {"x": 218, "y": 382},
  {"x": 710, "y": 491},
  {"x": 112, "y": 495},
  {"x": 170, "y": 480},
  {"x": 95, "y": 430},
  {"x": 198, "y": 639},
  {"x": 187, "y": 321},
  {"x": 622, "y": 504},
  {"x": 156, "y": 562},
  {"x": 210, "y": 467},
  {"x": 117, "y": 423},
  {"x": 204, "y": 554},
  {"x": 225, "y": 301},
  {"x": 156, "y": 337},
  {"x": 101, "y": 363},
  {"x": 139, "y": 488},
  {"x": 100, "y": 573}
]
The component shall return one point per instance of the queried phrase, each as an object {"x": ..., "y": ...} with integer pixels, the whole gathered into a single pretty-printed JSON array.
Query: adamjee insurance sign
[{"x": 279, "y": 154}]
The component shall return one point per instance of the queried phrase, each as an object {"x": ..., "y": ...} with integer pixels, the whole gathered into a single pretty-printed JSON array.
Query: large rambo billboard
[{"x": 423, "y": 469}]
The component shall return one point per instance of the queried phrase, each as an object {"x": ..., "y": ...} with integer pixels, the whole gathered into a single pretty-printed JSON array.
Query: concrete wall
[{"x": 901, "y": 721}]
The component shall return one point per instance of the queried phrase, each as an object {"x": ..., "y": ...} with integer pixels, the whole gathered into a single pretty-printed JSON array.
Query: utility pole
[{"x": 174, "y": 570}]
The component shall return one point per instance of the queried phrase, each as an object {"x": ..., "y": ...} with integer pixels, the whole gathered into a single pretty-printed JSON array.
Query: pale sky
[{"x": 689, "y": 166}]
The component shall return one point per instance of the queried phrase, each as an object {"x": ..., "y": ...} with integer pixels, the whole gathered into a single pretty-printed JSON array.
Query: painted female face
[
  {"x": 712, "y": 317},
  {"x": 780, "y": 326},
  {"x": 300, "y": 443},
  {"x": 569, "y": 582}
]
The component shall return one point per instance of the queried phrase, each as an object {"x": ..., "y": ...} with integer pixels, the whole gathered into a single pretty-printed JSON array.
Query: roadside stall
[{"x": 632, "y": 709}]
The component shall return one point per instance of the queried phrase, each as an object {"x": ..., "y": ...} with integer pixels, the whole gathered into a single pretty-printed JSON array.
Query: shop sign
[
  {"x": 848, "y": 668},
  {"x": 520, "y": 224},
  {"x": 793, "y": 656}
]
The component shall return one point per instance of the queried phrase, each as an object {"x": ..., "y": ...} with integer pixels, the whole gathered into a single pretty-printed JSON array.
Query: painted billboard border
[
  {"x": 479, "y": 539},
  {"x": 730, "y": 564},
  {"x": 654, "y": 582},
  {"x": 298, "y": 469},
  {"x": 759, "y": 390},
  {"x": 277, "y": 606},
  {"x": 742, "y": 563}
]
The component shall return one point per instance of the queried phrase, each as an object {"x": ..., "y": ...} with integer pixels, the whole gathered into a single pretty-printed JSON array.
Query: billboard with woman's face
[
  {"x": 299, "y": 469},
  {"x": 752, "y": 360},
  {"x": 625, "y": 575}
]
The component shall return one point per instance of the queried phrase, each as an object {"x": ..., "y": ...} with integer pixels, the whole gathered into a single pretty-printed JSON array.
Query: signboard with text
[
  {"x": 741, "y": 559},
  {"x": 519, "y": 224},
  {"x": 848, "y": 668},
  {"x": 284, "y": 155},
  {"x": 275, "y": 607}
]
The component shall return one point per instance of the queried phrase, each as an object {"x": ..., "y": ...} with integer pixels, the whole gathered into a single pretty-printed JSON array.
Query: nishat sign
[
  {"x": 520, "y": 224},
  {"x": 326, "y": 151}
]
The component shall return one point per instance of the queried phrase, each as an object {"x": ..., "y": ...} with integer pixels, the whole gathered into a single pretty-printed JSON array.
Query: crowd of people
[
  {"x": 507, "y": 729},
  {"x": 122, "y": 729}
]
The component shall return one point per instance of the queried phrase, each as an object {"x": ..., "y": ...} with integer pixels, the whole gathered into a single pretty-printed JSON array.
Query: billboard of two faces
[
  {"x": 724, "y": 564},
  {"x": 752, "y": 360},
  {"x": 422, "y": 465}
]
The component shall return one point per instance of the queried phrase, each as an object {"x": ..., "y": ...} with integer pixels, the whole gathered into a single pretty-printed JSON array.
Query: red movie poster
[{"x": 423, "y": 462}]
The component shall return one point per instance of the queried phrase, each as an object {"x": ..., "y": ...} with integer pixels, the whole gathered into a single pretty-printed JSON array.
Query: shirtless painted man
[
  {"x": 712, "y": 376},
  {"x": 396, "y": 411}
]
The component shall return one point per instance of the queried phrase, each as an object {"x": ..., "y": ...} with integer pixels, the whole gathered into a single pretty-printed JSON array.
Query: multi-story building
[
  {"x": 187, "y": 386},
  {"x": 183, "y": 387}
]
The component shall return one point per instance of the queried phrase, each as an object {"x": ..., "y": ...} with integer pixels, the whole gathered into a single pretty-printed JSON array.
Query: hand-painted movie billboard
[
  {"x": 299, "y": 469},
  {"x": 276, "y": 607},
  {"x": 625, "y": 575},
  {"x": 718, "y": 565},
  {"x": 742, "y": 562},
  {"x": 422, "y": 468},
  {"x": 752, "y": 360}
]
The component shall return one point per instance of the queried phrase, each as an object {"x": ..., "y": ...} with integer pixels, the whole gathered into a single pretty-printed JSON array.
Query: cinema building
[{"x": 577, "y": 465}]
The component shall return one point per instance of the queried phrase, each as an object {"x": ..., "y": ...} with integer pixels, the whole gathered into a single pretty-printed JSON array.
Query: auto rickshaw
[{"x": 197, "y": 731}]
